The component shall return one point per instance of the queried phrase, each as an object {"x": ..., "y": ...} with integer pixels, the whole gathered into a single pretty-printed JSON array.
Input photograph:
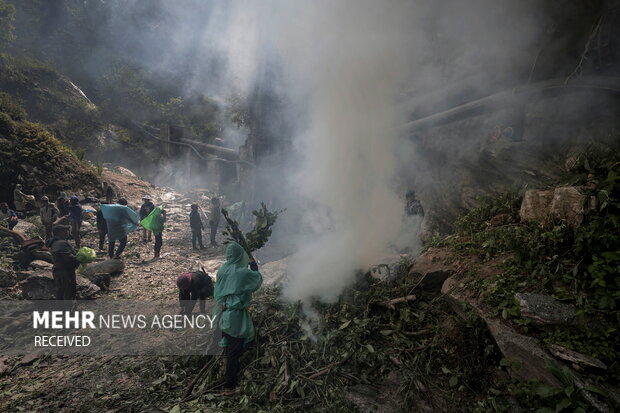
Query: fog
[{"x": 345, "y": 76}]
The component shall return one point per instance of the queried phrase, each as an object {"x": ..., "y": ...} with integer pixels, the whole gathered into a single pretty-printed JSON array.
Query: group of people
[
  {"x": 195, "y": 223},
  {"x": 235, "y": 284}
]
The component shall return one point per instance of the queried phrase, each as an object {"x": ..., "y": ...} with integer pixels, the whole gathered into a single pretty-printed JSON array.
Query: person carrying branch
[{"x": 234, "y": 286}]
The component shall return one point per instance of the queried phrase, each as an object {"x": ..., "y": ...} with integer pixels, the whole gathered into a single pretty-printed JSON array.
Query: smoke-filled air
[{"x": 309, "y": 205}]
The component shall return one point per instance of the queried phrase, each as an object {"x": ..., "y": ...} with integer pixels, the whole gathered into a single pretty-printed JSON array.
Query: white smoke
[{"x": 348, "y": 61}]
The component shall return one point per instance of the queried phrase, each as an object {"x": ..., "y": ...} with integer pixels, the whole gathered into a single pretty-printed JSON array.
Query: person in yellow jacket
[{"x": 234, "y": 286}]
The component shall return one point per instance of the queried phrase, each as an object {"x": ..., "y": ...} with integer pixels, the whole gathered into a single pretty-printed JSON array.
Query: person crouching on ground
[
  {"x": 192, "y": 287},
  {"x": 65, "y": 263},
  {"x": 234, "y": 286},
  {"x": 75, "y": 219},
  {"x": 196, "y": 225},
  {"x": 146, "y": 208},
  {"x": 8, "y": 215}
]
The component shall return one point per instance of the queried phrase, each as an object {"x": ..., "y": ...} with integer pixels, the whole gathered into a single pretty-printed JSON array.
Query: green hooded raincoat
[{"x": 233, "y": 291}]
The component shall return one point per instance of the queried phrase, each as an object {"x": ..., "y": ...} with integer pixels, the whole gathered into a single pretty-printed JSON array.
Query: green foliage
[
  {"x": 26, "y": 145},
  {"x": 580, "y": 264},
  {"x": 526, "y": 395},
  {"x": 357, "y": 342},
  {"x": 262, "y": 227},
  {"x": 258, "y": 236},
  {"x": 11, "y": 108},
  {"x": 488, "y": 207},
  {"x": 7, "y": 16}
]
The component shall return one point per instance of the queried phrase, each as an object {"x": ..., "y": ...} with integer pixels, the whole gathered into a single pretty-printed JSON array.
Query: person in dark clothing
[
  {"x": 146, "y": 208},
  {"x": 413, "y": 207},
  {"x": 214, "y": 221},
  {"x": 159, "y": 235},
  {"x": 8, "y": 215},
  {"x": 75, "y": 219},
  {"x": 194, "y": 286},
  {"x": 65, "y": 263},
  {"x": 62, "y": 203},
  {"x": 109, "y": 193},
  {"x": 102, "y": 227},
  {"x": 196, "y": 224}
]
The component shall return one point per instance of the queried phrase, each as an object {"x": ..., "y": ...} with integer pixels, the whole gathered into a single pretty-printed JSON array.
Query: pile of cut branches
[{"x": 373, "y": 330}]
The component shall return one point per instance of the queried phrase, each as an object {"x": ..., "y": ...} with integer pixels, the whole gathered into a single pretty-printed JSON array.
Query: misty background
[{"x": 330, "y": 88}]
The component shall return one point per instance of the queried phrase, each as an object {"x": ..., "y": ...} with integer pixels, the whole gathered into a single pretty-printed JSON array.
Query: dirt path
[{"x": 115, "y": 383}]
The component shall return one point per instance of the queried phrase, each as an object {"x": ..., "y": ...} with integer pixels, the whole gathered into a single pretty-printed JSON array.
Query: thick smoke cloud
[
  {"x": 347, "y": 61},
  {"x": 351, "y": 72}
]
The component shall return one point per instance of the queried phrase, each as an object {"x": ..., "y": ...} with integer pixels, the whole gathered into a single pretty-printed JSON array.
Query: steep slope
[{"x": 32, "y": 156}]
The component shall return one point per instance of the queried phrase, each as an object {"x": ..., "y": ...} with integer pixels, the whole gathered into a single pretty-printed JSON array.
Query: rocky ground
[{"x": 106, "y": 383}]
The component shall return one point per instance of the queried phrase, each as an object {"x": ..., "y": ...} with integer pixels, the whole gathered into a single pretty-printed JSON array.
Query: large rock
[
  {"x": 535, "y": 205},
  {"x": 40, "y": 286},
  {"x": 85, "y": 288},
  {"x": 566, "y": 203},
  {"x": 545, "y": 310},
  {"x": 110, "y": 267},
  {"x": 574, "y": 357},
  {"x": 7, "y": 278},
  {"x": 433, "y": 268},
  {"x": 528, "y": 358}
]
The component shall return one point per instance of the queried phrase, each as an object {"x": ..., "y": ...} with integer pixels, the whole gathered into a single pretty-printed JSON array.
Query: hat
[
  {"x": 146, "y": 197},
  {"x": 184, "y": 280},
  {"x": 44, "y": 198},
  {"x": 63, "y": 195}
]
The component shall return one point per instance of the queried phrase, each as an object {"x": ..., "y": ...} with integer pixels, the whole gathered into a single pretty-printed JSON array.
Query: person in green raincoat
[{"x": 234, "y": 286}]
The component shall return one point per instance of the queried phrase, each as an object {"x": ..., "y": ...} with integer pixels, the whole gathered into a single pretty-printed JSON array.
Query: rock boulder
[
  {"x": 545, "y": 310},
  {"x": 433, "y": 268},
  {"x": 7, "y": 278},
  {"x": 110, "y": 267},
  {"x": 535, "y": 205},
  {"x": 40, "y": 286},
  {"x": 566, "y": 203}
]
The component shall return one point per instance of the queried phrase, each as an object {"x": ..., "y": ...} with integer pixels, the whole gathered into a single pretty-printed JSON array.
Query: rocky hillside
[
  {"x": 50, "y": 98},
  {"x": 32, "y": 156}
]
